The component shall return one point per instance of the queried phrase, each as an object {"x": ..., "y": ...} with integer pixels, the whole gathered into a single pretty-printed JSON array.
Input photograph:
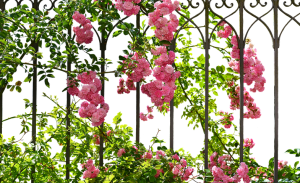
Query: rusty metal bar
[
  {"x": 172, "y": 48},
  {"x": 138, "y": 91}
]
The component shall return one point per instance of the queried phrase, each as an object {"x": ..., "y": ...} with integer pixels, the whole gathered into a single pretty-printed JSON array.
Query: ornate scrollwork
[
  {"x": 292, "y": 3},
  {"x": 190, "y": 5},
  {"x": 52, "y": 5},
  {"x": 224, "y": 4},
  {"x": 258, "y": 3}
]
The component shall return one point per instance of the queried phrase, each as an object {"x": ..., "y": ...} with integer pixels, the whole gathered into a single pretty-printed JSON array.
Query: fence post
[
  {"x": 207, "y": 53},
  {"x": 241, "y": 44},
  {"x": 68, "y": 122},
  {"x": 172, "y": 114},
  {"x": 2, "y": 7},
  {"x": 275, "y": 59},
  {"x": 138, "y": 91}
]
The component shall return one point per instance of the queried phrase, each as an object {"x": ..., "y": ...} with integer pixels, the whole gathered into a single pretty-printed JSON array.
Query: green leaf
[
  {"x": 33, "y": 10},
  {"x": 47, "y": 84},
  {"x": 117, "y": 119},
  {"x": 216, "y": 94},
  {"x": 40, "y": 44},
  {"x": 74, "y": 47},
  {"x": 13, "y": 46},
  {"x": 8, "y": 57},
  {"x": 24, "y": 19},
  {"x": 47, "y": 45},
  {"x": 17, "y": 60},
  {"x": 188, "y": 32},
  {"x": 10, "y": 88},
  {"x": 152, "y": 179},
  {"x": 63, "y": 57},
  {"x": 66, "y": 52},
  {"x": 27, "y": 103},
  {"x": 32, "y": 29},
  {"x": 115, "y": 33},
  {"x": 27, "y": 80},
  {"x": 153, "y": 28},
  {"x": 94, "y": 18},
  {"x": 24, "y": 128},
  {"x": 12, "y": 138},
  {"x": 40, "y": 54},
  {"x": 30, "y": 20},
  {"x": 31, "y": 48},
  {"x": 57, "y": 10},
  {"x": 38, "y": 37},
  {"x": 9, "y": 78},
  {"x": 60, "y": 29},
  {"x": 24, "y": 6},
  {"x": 165, "y": 42},
  {"x": 19, "y": 89}
]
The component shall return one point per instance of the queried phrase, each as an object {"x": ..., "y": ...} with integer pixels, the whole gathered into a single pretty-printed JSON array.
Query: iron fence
[{"x": 206, "y": 43}]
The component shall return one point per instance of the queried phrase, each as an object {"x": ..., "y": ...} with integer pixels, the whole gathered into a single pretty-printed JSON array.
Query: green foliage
[
  {"x": 127, "y": 168},
  {"x": 295, "y": 151}
]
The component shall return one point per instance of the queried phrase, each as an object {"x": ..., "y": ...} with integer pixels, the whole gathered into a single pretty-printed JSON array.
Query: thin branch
[{"x": 26, "y": 63}]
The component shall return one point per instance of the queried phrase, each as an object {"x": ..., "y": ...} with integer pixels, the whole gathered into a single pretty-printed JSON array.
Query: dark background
[{"x": 261, "y": 130}]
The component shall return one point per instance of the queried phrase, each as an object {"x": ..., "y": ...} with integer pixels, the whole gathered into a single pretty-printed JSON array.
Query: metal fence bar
[
  {"x": 241, "y": 44},
  {"x": 68, "y": 121},
  {"x": 172, "y": 114},
  {"x": 137, "y": 133},
  {"x": 2, "y": 7},
  {"x": 207, "y": 53},
  {"x": 275, "y": 59},
  {"x": 138, "y": 92}
]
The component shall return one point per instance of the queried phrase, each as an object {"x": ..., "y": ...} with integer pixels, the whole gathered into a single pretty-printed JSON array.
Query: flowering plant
[{"x": 119, "y": 170}]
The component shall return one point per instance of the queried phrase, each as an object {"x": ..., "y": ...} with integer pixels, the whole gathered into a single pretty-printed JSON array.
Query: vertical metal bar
[
  {"x": 241, "y": 47},
  {"x": 172, "y": 123},
  {"x": 68, "y": 121},
  {"x": 137, "y": 133},
  {"x": 207, "y": 46},
  {"x": 102, "y": 93},
  {"x": 138, "y": 90},
  {"x": 102, "y": 49},
  {"x": 276, "y": 46},
  {"x": 34, "y": 109},
  {"x": 172, "y": 48},
  {"x": 2, "y": 90},
  {"x": 34, "y": 95},
  {"x": 68, "y": 125}
]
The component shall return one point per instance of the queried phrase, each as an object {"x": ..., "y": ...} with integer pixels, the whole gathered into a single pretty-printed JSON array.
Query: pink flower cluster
[
  {"x": 139, "y": 70},
  {"x": 164, "y": 27},
  {"x": 219, "y": 169},
  {"x": 125, "y": 86},
  {"x": 281, "y": 165},
  {"x": 249, "y": 142},
  {"x": 226, "y": 32},
  {"x": 129, "y": 7},
  {"x": 226, "y": 119},
  {"x": 178, "y": 169},
  {"x": 149, "y": 116},
  {"x": 242, "y": 171},
  {"x": 155, "y": 90},
  {"x": 83, "y": 35},
  {"x": 158, "y": 91},
  {"x": 91, "y": 171},
  {"x": 253, "y": 110},
  {"x": 90, "y": 92},
  {"x": 98, "y": 138},
  {"x": 253, "y": 68}
]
